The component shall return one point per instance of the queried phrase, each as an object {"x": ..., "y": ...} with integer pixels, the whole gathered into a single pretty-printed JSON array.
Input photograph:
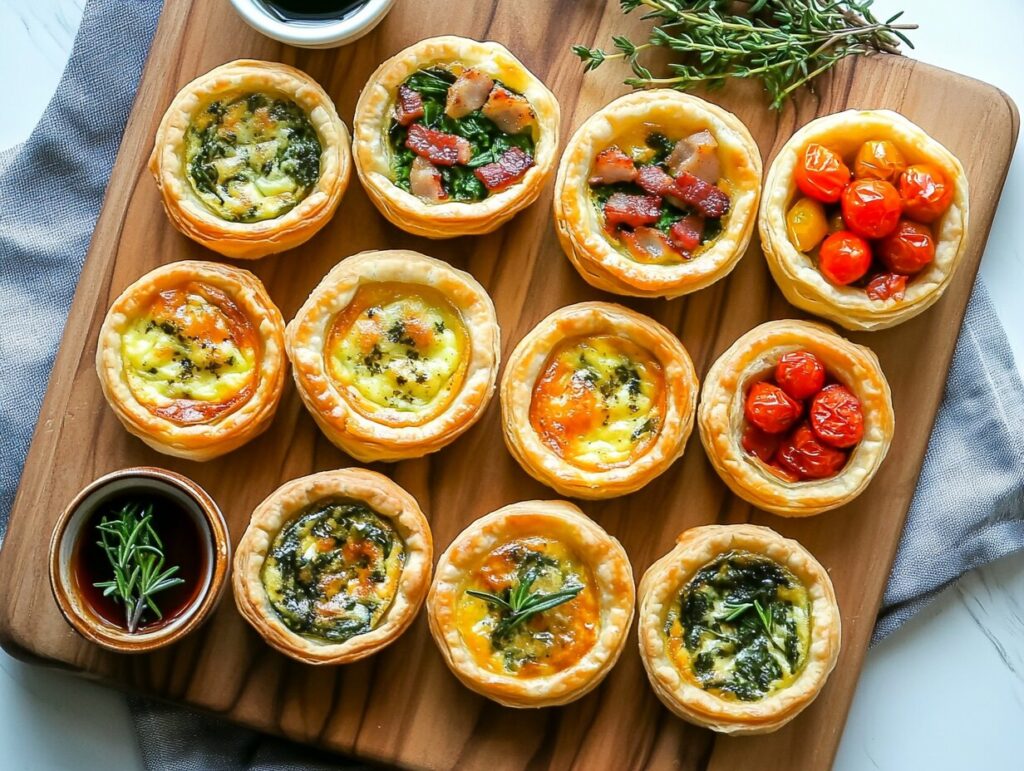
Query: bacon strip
[
  {"x": 649, "y": 245},
  {"x": 686, "y": 233},
  {"x": 437, "y": 146},
  {"x": 696, "y": 154},
  {"x": 467, "y": 93},
  {"x": 509, "y": 168},
  {"x": 655, "y": 181},
  {"x": 632, "y": 210},
  {"x": 708, "y": 199},
  {"x": 409, "y": 106},
  {"x": 425, "y": 181},
  {"x": 612, "y": 165},
  {"x": 509, "y": 112}
]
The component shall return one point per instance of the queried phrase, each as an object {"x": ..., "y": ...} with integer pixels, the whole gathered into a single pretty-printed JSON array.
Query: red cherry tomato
[
  {"x": 802, "y": 454},
  {"x": 821, "y": 174},
  {"x": 871, "y": 207},
  {"x": 759, "y": 444},
  {"x": 887, "y": 286},
  {"x": 908, "y": 249},
  {"x": 800, "y": 374},
  {"x": 844, "y": 257},
  {"x": 925, "y": 191},
  {"x": 836, "y": 416},
  {"x": 770, "y": 409}
]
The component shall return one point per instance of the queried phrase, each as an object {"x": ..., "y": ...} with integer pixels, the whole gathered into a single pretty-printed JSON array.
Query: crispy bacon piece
[
  {"x": 655, "y": 181},
  {"x": 509, "y": 112},
  {"x": 612, "y": 165},
  {"x": 685, "y": 234},
  {"x": 696, "y": 154},
  {"x": 509, "y": 168},
  {"x": 632, "y": 210},
  {"x": 705, "y": 197},
  {"x": 649, "y": 245},
  {"x": 437, "y": 146},
  {"x": 467, "y": 93},
  {"x": 408, "y": 106},
  {"x": 425, "y": 181}
]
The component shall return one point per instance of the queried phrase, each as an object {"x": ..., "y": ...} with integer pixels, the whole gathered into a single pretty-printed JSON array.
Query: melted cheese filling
[
  {"x": 333, "y": 572},
  {"x": 253, "y": 158},
  {"x": 545, "y": 643},
  {"x": 741, "y": 627},
  {"x": 191, "y": 356},
  {"x": 398, "y": 353},
  {"x": 599, "y": 401}
]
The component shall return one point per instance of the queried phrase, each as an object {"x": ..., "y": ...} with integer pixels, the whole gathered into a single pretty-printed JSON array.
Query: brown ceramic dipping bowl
[{"x": 213, "y": 533}]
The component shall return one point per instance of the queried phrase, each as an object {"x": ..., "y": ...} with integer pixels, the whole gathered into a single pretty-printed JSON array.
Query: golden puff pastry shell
[
  {"x": 250, "y": 240},
  {"x": 578, "y": 222},
  {"x": 795, "y": 272},
  {"x": 383, "y": 497},
  {"x": 528, "y": 360},
  {"x": 202, "y": 440},
  {"x": 358, "y": 434},
  {"x": 660, "y": 588},
  {"x": 373, "y": 154},
  {"x": 721, "y": 420},
  {"x": 605, "y": 558}
]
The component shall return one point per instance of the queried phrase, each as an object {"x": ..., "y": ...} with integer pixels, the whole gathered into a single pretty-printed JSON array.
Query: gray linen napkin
[{"x": 968, "y": 508}]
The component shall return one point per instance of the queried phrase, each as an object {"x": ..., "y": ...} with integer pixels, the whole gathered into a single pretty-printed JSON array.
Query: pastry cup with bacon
[
  {"x": 454, "y": 137},
  {"x": 191, "y": 358},
  {"x": 656, "y": 194},
  {"x": 598, "y": 400},
  {"x": 395, "y": 354}
]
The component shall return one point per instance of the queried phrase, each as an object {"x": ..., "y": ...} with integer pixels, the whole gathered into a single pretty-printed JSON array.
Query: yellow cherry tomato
[
  {"x": 879, "y": 159},
  {"x": 806, "y": 224}
]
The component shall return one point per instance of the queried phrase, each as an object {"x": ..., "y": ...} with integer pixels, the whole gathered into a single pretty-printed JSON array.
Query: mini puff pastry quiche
[
  {"x": 739, "y": 628},
  {"x": 251, "y": 159},
  {"x": 395, "y": 354},
  {"x": 454, "y": 137},
  {"x": 333, "y": 566},
  {"x": 864, "y": 219},
  {"x": 191, "y": 358},
  {"x": 656, "y": 194},
  {"x": 796, "y": 419},
  {"x": 531, "y": 604},
  {"x": 598, "y": 400}
]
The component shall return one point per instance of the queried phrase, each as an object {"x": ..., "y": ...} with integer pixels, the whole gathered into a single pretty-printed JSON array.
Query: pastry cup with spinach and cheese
[
  {"x": 333, "y": 566},
  {"x": 395, "y": 354},
  {"x": 598, "y": 400},
  {"x": 251, "y": 159},
  {"x": 191, "y": 358},
  {"x": 656, "y": 194},
  {"x": 454, "y": 137},
  {"x": 739, "y": 628},
  {"x": 531, "y": 604}
]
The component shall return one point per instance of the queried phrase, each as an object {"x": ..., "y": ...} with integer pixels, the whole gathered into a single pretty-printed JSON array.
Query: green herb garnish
[{"x": 518, "y": 604}]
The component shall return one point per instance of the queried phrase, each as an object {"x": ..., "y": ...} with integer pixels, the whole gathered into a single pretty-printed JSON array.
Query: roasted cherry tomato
[
  {"x": 821, "y": 174},
  {"x": 879, "y": 159},
  {"x": 871, "y": 207},
  {"x": 770, "y": 409},
  {"x": 759, "y": 443},
  {"x": 908, "y": 249},
  {"x": 836, "y": 416},
  {"x": 806, "y": 224},
  {"x": 800, "y": 374},
  {"x": 926, "y": 192},
  {"x": 886, "y": 286},
  {"x": 844, "y": 257},
  {"x": 803, "y": 454}
]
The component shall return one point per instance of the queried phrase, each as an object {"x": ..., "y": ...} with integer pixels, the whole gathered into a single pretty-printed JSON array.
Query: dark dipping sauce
[
  {"x": 183, "y": 545},
  {"x": 312, "y": 10}
]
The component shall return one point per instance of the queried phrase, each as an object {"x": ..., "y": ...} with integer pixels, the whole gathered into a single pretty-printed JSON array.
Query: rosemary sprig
[
  {"x": 137, "y": 558},
  {"x": 763, "y": 614},
  {"x": 518, "y": 604},
  {"x": 784, "y": 43}
]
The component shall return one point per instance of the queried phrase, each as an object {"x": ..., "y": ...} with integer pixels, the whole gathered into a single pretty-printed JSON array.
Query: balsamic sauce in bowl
[{"x": 312, "y": 11}]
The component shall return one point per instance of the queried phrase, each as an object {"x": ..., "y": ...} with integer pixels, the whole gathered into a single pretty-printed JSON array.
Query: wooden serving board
[{"x": 403, "y": 706}]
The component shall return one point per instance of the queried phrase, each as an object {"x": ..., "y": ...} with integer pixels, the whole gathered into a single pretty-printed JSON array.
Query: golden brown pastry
[
  {"x": 796, "y": 419},
  {"x": 251, "y": 159},
  {"x": 739, "y": 628},
  {"x": 531, "y": 604},
  {"x": 191, "y": 358},
  {"x": 656, "y": 194},
  {"x": 333, "y": 566},
  {"x": 454, "y": 137},
  {"x": 395, "y": 354},
  {"x": 598, "y": 400},
  {"x": 864, "y": 218}
]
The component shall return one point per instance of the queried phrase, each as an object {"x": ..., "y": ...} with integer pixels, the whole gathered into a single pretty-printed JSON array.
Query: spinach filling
[
  {"x": 332, "y": 572},
  {"x": 486, "y": 139},
  {"x": 252, "y": 158},
  {"x": 743, "y": 621}
]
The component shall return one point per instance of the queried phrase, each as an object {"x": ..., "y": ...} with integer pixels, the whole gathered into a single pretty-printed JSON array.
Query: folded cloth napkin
[{"x": 968, "y": 508}]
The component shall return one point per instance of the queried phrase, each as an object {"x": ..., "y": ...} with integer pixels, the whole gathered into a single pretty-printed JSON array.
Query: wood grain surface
[{"x": 403, "y": 706}]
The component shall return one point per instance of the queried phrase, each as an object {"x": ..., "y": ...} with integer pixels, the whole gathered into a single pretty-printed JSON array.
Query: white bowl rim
[{"x": 314, "y": 34}]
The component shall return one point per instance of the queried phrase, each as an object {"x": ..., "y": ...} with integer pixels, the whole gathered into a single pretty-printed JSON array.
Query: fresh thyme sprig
[
  {"x": 137, "y": 558},
  {"x": 785, "y": 43},
  {"x": 519, "y": 604}
]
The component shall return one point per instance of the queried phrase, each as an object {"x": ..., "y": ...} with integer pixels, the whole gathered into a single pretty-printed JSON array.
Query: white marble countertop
[{"x": 912, "y": 709}]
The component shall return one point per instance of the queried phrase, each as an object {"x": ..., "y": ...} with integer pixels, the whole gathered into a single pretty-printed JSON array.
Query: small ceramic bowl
[
  {"x": 213, "y": 533},
  {"x": 313, "y": 33}
]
